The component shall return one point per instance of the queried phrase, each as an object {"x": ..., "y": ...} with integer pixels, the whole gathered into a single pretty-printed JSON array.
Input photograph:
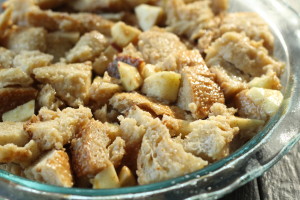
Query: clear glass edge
[{"x": 291, "y": 106}]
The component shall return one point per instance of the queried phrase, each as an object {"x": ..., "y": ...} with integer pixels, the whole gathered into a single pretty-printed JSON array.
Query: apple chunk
[
  {"x": 148, "y": 16},
  {"x": 20, "y": 113},
  {"x": 162, "y": 85},
  {"x": 123, "y": 34},
  {"x": 130, "y": 77}
]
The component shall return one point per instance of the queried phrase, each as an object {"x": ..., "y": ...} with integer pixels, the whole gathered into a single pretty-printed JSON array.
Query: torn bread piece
[
  {"x": 55, "y": 129},
  {"x": 27, "y": 38},
  {"x": 14, "y": 77},
  {"x": 251, "y": 24},
  {"x": 13, "y": 133},
  {"x": 29, "y": 60},
  {"x": 70, "y": 81},
  {"x": 101, "y": 91},
  {"x": 47, "y": 98},
  {"x": 162, "y": 158},
  {"x": 24, "y": 156},
  {"x": 60, "y": 42},
  {"x": 246, "y": 55},
  {"x": 6, "y": 58},
  {"x": 198, "y": 92},
  {"x": 53, "y": 168},
  {"x": 116, "y": 151},
  {"x": 124, "y": 101},
  {"x": 89, "y": 46}
]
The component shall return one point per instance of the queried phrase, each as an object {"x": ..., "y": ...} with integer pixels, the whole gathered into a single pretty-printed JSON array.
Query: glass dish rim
[{"x": 26, "y": 184}]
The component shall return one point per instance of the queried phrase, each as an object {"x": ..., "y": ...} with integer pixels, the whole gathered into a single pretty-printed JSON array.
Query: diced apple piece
[
  {"x": 130, "y": 77},
  {"x": 269, "y": 81},
  {"x": 20, "y": 113},
  {"x": 162, "y": 85},
  {"x": 107, "y": 178},
  {"x": 126, "y": 177},
  {"x": 148, "y": 70},
  {"x": 248, "y": 127},
  {"x": 148, "y": 16},
  {"x": 269, "y": 100},
  {"x": 123, "y": 34}
]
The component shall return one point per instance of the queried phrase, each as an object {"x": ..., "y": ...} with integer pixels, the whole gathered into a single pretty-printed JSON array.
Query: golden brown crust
[
  {"x": 198, "y": 93},
  {"x": 89, "y": 149}
]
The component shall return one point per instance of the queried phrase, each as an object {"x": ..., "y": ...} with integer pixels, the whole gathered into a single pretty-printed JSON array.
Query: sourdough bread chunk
[
  {"x": 198, "y": 93},
  {"x": 116, "y": 151},
  {"x": 6, "y": 58},
  {"x": 124, "y": 101},
  {"x": 229, "y": 78},
  {"x": 251, "y": 24},
  {"x": 246, "y": 55},
  {"x": 14, "y": 77},
  {"x": 101, "y": 91},
  {"x": 55, "y": 129},
  {"x": 29, "y": 60},
  {"x": 10, "y": 98},
  {"x": 47, "y": 98},
  {"x": 160, "y": 48},
  {"x": 53, "y": 168},
  {"x": 210, "y": 138},
  {"x": 89, "y": 46},
  {"x": 13, "y": 133},
  {"x": 89, "y": 149},
  {"x": 11, "y": 153},
  {"x": 161, "y": 158},
  {"x": 59, "y": 43},
  {"x": 70, "y": 81},
  {"x": 27, "y": 38}
]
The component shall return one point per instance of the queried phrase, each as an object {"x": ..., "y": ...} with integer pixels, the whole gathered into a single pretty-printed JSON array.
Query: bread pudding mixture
[{"x": 114, "y": 93}]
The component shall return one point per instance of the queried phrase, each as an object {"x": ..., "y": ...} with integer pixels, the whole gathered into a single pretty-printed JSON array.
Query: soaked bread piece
[
  {"x": 89, "y": 149},
  {"x": 70, "y": 81},
  {"x": 251, "y": 24},
  {"x": 13, "y": 133},
  {"x": 6, "y": 58},
  {"x": 101, "y": 91},
  {"x": 61, "y": 126},
  {"x": 161, "y": 158},
  {"x": 10, "y": 98},
  {"x": 59, "y": 43},
  {"x": 210, "y": 138},
  {"x": 48, "y": 4},
  {"x": 29, "y": 60},
  {"x": 89, "y": 46},
  {"x": 198, "y": 93},
  {"x": 230, "y": 79},
  {"x": 14, "y": 77},
  {"x": 246, "y": 55},
  {"x": 160, "y": 48},
  {"x": 53, "y": 168},
  {"x": 26, "y": 38},
  {"x": 116, "y": 151},
  {"x": 124, "y": 101},
  {"x": 47, "y": 98}
]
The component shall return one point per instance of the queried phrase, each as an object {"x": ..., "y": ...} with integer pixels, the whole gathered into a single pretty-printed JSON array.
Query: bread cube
[
  {"x": 13, "y": 133},
  {"x": 148, "y": 16},
  {"x": 53, "y": 168},
  {"x": 124, "y": 34},
  {"x": 162, "y": 85},
  {"x": 14, "y": 77}
]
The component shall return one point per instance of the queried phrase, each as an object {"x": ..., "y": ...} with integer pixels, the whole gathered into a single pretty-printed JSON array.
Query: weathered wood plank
[
  {"x": 249, "y": 191},
  {"x": 283, "y": 180}
]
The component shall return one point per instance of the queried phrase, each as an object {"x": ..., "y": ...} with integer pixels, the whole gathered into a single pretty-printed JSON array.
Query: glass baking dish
[{"x": 222, "y": 177}]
